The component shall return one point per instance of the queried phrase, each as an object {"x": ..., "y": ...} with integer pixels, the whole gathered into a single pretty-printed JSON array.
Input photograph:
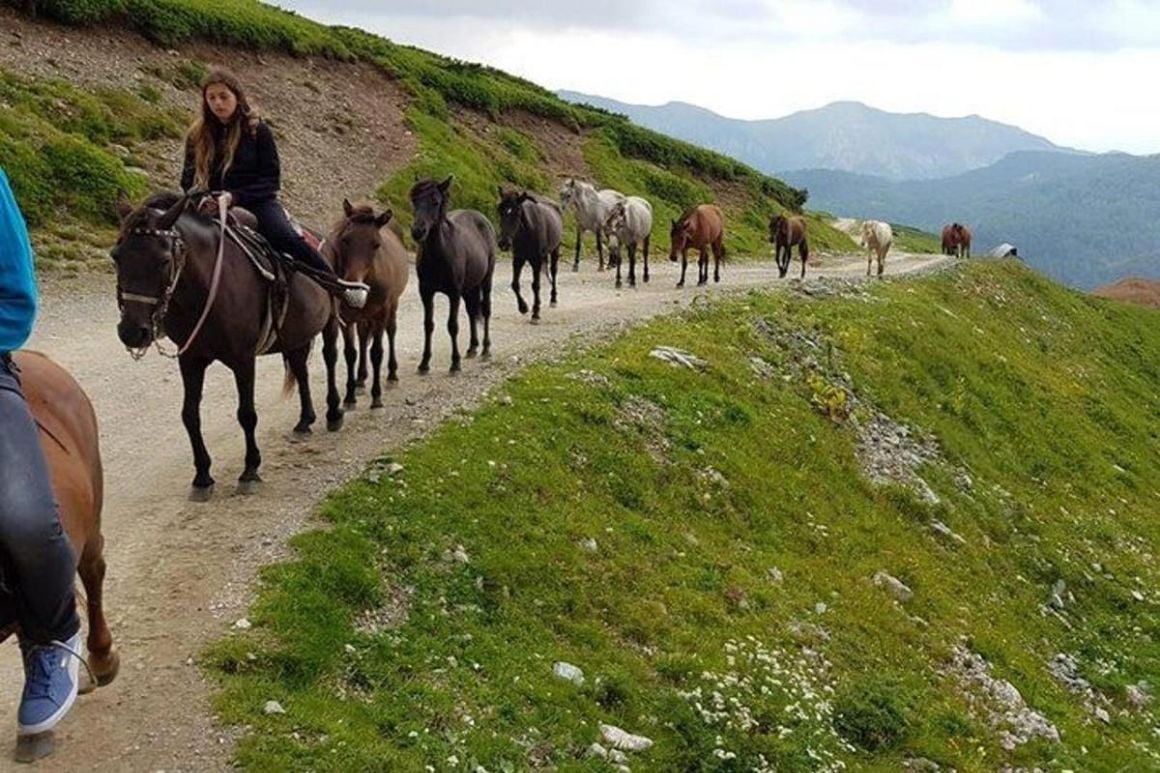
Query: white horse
[
  {"x": 592, "y": 208},
  {"x": 629, "y": 224},
  {"x": 877, "y": 237}
]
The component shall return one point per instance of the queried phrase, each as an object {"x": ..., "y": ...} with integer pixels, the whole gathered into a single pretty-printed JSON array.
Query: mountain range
[{"x": 844, "y": 135}]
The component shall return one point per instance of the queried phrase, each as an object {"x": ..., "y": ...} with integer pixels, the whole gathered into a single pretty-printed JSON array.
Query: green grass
[
  {"x": 694, "y": 486},
  {"x": 915, "y": 240},
  {"x": 68, "y": 152}
]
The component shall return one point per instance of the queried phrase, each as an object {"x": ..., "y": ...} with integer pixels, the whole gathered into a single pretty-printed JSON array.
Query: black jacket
[{"x": 256, "y": 174}]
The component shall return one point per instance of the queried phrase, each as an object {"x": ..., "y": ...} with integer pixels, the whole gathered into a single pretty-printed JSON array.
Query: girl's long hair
[{"x": 202, "y": 134}]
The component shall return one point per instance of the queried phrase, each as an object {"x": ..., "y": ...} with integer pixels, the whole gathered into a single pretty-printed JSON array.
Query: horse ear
[
  {"x": 384, "y": 218},
  {"x": 446, "y": 184},
  {"x": 347, "y": 207},
  {"x": 124, "y": 206},
  {"x": 170, "y": 217},
  {"x": 523, "y": 197}
]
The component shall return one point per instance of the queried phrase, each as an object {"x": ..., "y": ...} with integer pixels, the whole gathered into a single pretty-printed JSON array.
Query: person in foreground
[
  {"x": 35, "y": 548},
  {"x": 229, "y": 150}
]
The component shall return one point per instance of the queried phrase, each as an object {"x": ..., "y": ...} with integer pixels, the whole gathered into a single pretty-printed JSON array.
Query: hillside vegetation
[
  {"x": 705, "y": 545},
  {"x": 673, "y": 174}
]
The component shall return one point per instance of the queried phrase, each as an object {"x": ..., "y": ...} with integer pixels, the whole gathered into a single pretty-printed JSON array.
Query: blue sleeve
[{"x": 17, "y": 274}]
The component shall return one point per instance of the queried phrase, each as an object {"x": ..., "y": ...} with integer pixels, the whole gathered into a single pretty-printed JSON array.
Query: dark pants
[
  {"x": 31, "y": 537},
  {"x": 275, "y": 226}
]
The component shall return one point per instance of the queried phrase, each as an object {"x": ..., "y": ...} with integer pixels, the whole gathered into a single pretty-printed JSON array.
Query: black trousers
[
  {"x": 275, "y": 226},
  {"x": 31, "y": 537}
]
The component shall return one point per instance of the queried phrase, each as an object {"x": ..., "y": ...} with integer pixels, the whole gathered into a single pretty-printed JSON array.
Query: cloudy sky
[{"x": 1080, "y": 72}]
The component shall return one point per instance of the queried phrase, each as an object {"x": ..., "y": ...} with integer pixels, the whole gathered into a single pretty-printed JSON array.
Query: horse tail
[{"x": 289, "y": 381}]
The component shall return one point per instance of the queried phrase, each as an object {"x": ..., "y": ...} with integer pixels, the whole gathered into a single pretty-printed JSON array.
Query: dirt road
[{"x": 181, "y": 573}]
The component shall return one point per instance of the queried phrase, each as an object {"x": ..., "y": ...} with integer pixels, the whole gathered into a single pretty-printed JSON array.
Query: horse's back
[
  {"x": 640, "y": 216},
  {"x": 69, "y": 438},
  {"x": 711, "y": 222}
]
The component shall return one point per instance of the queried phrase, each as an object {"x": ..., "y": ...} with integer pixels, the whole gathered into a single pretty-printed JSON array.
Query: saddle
[{"x": 273, "y": 267}]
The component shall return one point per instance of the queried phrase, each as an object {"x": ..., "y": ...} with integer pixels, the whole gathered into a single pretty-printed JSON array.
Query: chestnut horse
[
  {"x": 69, "y": 438},
  {"x": 361, "y": 251},
  {"x": 956, "y": 240},
  {"x": 702, "y": 227},
  {"x": 787, "y": 231}
]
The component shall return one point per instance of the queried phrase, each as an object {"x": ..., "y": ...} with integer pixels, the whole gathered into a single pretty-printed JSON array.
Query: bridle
[{"x": 178, "y": 251}]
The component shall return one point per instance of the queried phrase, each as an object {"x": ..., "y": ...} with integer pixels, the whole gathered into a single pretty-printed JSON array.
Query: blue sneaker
[{"x": 50, "y": 685}]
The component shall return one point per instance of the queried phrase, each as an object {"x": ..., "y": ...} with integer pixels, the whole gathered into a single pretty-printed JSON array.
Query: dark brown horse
[
  {"x": 362, "y": 251},
  {"x": 167, "y": 258},
  {"x": 700, "y": 228},
  {"x": 69, "y": 439},
  {"x": 457, "y": 258},
  {"x": 532, "y": 228},
  {"x": 956, "y": 240},
  {"x": 786, "y": 232}
]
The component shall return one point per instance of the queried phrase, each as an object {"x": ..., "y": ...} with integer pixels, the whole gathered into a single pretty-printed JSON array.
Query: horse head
[
  {"x": 429, "y": 200},
  {"x": 679, "y": 235},
  {"x": 511, "y": 215},
  {"x": 357, "y": 241},
  {"x": 149, "y": 256},
  {"x": 775, "y": 226}
]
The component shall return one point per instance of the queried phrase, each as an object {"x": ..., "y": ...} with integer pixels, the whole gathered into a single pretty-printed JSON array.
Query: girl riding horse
[{"x": 231, "y": 151}]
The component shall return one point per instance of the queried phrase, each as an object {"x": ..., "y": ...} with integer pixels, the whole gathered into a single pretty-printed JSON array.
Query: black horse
[
  {"x": 532, "y": 228},
  {"x": 457, "y": 258}
]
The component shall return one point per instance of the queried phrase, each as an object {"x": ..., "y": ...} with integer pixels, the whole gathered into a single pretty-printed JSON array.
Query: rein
[{"x": 161, "y": 305}]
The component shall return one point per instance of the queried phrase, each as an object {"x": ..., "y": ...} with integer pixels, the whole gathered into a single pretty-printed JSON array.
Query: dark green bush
[
  {"x": 79, "y": 11},
  {"x": 872, "y": 716}
]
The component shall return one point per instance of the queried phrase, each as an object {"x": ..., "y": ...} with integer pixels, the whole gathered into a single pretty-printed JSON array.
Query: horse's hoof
[
  {"x": 376, "y": 404},
  {"x": 456, "y": 368},
  {"x": 486, "y": 355},
  {"x": 298, "y": 434},
  {"x": 105, "y": 668},
  {"x": 30, "y": 748},
  {"x": 576, "y": 269},
  {"x": 360, "y": 386},
  {"x": 349, "y": 404},
  {"x": 201, "y": 493},
  {"x": 534, "y": 320},
  {"x": 552, "y": 304},
  {"x": 424, "y": 370},
  {"x": 471, "y": 353},
  {"x": 247, "y": 488},
  {"x": 334, "y": 425},
  {"x": 523, "y": 307}
]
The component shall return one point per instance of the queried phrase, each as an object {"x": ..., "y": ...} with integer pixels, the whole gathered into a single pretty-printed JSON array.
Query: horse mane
[
  {"x": 424, "y": 186},
  {"x": 161, "y": 200},
  {"x": 688, "y": 213}
]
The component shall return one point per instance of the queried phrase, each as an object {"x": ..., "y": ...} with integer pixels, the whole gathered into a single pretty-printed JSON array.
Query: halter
[{"x": 179, "y": 250}]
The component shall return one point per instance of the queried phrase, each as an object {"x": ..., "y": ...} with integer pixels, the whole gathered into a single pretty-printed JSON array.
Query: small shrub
[{"x": 872, "y": 716}]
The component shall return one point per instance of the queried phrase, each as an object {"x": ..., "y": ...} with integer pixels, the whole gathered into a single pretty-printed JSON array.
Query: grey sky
[{"x": 1076, "y": 72}]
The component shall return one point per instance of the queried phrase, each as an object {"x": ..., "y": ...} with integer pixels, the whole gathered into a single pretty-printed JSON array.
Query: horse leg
[
  {"x": 330, "y": 355},
  {"x": 361, "y": 381},
  {"x": 193, "y": 380},
  {"x": 471, "y": 303},
  {"x": 485, "y": 312},
  {"x": 684, "y": 267},
  {"x": 297, "y": 361},
  {"x": 537, "y": 268},
  {"x": 428, "y": 328},
  {"x": 631, "y": 265},
  {"x": 618, "y": 264},
  {"x": 376, "y": 365},
  {"x": 646, "y": 243},
  {"x": 579, "y": 237},
  {"x": 248, "y": 418},
  {"x": 718, "y": 256},
  {"x": 517, "y": 269},
  {"x": 600, "y": 249},
  {"x": 392, "y": 326},
  {"x": 881, "y": 263},
  {"x": 349, "y": 334},
  {"x": 804, "y": 254},
  {"x": 555, "y": 265},
  {"x": 453, "y": 330},
  {"x": 703, "y": 267},
  {"x": 869, "y": 260},
  {"x": 102, "y": 659}
]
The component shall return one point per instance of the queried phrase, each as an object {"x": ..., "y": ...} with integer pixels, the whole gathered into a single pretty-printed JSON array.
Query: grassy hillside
[
  {"x": 673, "y": 174},
  {"x": 703, "y": 544}
]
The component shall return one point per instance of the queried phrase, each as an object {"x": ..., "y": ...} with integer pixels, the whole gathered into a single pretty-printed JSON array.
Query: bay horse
[
  {"x": 532, "y": 228},
  {"x": 592, "y": 210},
  {"x": 700, "y": 228},
  {"x": 963, "y": 239},
  {"x": 949, "y": 247},
  {"x": 178, "y": 277},
  {"x": 457, "y": 258},
  {"x": 877, "y": 238},
  {"x": 360, "y": 250},
  {"x": 629, "y": 225},
  {"x": 786, "y": 232},
  {"x": 70, "y": 441}
]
